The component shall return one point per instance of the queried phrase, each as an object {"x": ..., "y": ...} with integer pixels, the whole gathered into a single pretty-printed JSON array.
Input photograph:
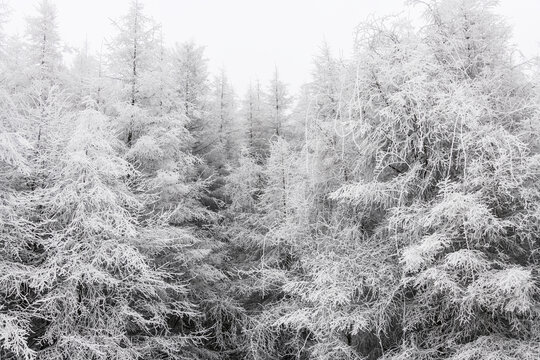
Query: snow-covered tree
[
  {"x": 44, "y": 43},
  {"x": 417, "y": 239},
  {"x": 190, "y": 74},
  {"x": 222, "y": 135},
  {"x": 87, "y": 78},
  {"x": 255, "y": 121},
  {"x": 278, "y": 100},
  {"x": 392, "y": 213},
  {"x": 438, "y": 133},
  {"x": 133, "y": 50}
]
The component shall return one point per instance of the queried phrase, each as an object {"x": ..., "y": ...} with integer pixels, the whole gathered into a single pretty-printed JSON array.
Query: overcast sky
[{"x": 249, "y": 37}]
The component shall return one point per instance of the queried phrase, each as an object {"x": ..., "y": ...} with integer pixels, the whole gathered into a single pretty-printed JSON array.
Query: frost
[
  {"x": 416, "y": 257},
  {"x": 12, "y": 150},
  {"x": 13, "y": 336},
  {"x": 388, "y": 210},
  {"x": 468, "y": 261},
  {"x": 511, "y": 290}
]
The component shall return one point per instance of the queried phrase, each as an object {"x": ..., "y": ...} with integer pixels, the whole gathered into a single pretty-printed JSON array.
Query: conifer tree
[
  {"x": 278, "y": 100},
  {"x": 254, "y": 112},
  {"x": 224, "y": 127},
  {"x": 44, "y": 44},
  {"x": 190, "y": 74},
  {"x": 392, "y": 213},
  {"x": 86, "y": 82}
]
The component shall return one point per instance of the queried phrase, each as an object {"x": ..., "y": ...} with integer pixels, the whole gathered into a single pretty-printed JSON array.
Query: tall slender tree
[{"x": 279, "y": 101}]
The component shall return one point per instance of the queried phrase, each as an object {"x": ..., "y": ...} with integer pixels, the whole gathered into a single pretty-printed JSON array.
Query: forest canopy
[{"x": 389, "y": 210}]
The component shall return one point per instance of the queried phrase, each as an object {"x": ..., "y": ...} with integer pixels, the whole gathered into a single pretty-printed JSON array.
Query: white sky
[{"x": 249, "y": 37}]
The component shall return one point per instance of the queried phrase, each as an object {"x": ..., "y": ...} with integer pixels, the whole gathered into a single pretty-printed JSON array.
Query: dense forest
[{"x": 389, "y": 210}]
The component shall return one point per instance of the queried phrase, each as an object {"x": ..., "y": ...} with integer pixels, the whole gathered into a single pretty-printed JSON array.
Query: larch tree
[
  {"x": 43, "y": 101},
  {"x": 44, "y": 43},
  {"x": 93, "y": 293},
  {"x": 329, "y": 148},
  {"x": 86, "y": 78},
  {"x": 279, "y": 101},
  {"x": 132, "y": 54},
  {"x": 446, "y": 181},
  {"x": 223, "y": 129},
  {"x": 256, "y": 125},
  {"x": 392, "y": 213},
  {"x": 192, "y": 87},
  {"x": 429, "y": 250}
]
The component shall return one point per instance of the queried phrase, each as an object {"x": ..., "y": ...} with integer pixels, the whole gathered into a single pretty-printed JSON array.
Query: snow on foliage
[{"x": 390, "y": 211}]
